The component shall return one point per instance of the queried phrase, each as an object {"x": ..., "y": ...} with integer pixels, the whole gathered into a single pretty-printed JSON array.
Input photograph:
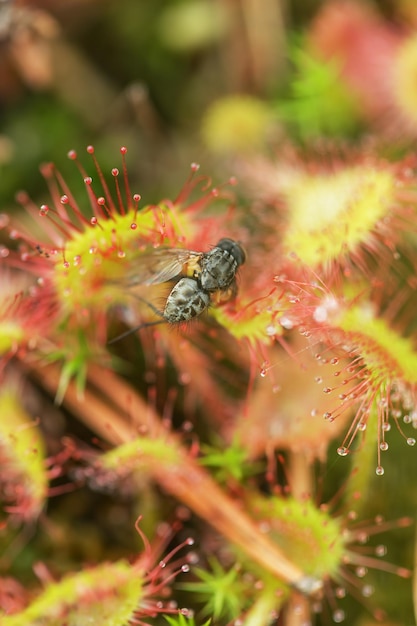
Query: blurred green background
[{"x": 135, "y": 72}]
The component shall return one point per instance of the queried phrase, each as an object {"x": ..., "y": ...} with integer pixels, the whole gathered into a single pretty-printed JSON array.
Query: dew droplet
[
  {"x": 338, "y": 616},
  {"x": 361, "y": 571},
  {"x": 342, "y": 451},
  {"x": 367, "y": 591},
  {"x": 316, "y": 607},
  {"x": 263, "y": 372},
  {"x": 379, "y": 471},
  {"x": 362, "y": 537},
  {"x": 4, "y": 220},
  {"x": 193, "y": 558},
  {"x": 383, "y": 446},
  {"x": 133, "y": 226},
  {"x": 320, "y": 314},
  {"x": 411, "y": 441},
  {"x": 327, "y": 389},
  {"x": 93, "y": 221},
  {"x": 340, "y": 592},
  {"x": 184, "y": 378},
  {"x": 381, "y": 550},
  {"x": 286, "y": 322}
]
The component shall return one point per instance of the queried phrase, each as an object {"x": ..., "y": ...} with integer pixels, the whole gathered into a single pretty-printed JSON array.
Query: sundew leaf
[
  {"x": 108, "y": 595},
  {"x": 24, "y": 479},
  {"x": 139, "y": 453},
  {"x": 310, "y": 536}
]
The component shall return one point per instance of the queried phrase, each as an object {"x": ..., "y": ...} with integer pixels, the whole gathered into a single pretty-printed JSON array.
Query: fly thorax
[{"x": 218, "y": 270}]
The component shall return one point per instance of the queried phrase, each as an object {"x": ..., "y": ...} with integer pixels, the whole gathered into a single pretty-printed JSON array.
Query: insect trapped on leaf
[{"x": 204, "y": 278}]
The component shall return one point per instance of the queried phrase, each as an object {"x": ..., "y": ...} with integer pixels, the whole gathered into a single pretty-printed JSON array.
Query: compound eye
[
  {"x": 233, "y": 248},
  {"x": 239, "y": 254},
  {"x": 225, "y": 244}
]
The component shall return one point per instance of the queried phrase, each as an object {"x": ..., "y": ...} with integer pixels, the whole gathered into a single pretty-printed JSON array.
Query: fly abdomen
[{"x": 186, "y": 301}]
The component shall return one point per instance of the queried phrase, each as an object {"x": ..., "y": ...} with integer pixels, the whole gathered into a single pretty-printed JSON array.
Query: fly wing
[{"x": 159, "y": 266}]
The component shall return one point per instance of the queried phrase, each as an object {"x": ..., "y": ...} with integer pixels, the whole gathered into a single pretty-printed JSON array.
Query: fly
[{"x": 204, "y": 278}]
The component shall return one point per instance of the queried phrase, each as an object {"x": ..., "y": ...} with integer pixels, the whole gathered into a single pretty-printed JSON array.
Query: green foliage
[
  {"x": 75, "y": 356},
  {"x": 319, "y": 104},
  {"x": 228, "y": 462},
  {"x": 225, "y": 593}
]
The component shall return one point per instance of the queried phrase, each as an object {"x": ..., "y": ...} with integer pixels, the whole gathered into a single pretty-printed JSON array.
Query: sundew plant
[{"x": 208, "y": 328}]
